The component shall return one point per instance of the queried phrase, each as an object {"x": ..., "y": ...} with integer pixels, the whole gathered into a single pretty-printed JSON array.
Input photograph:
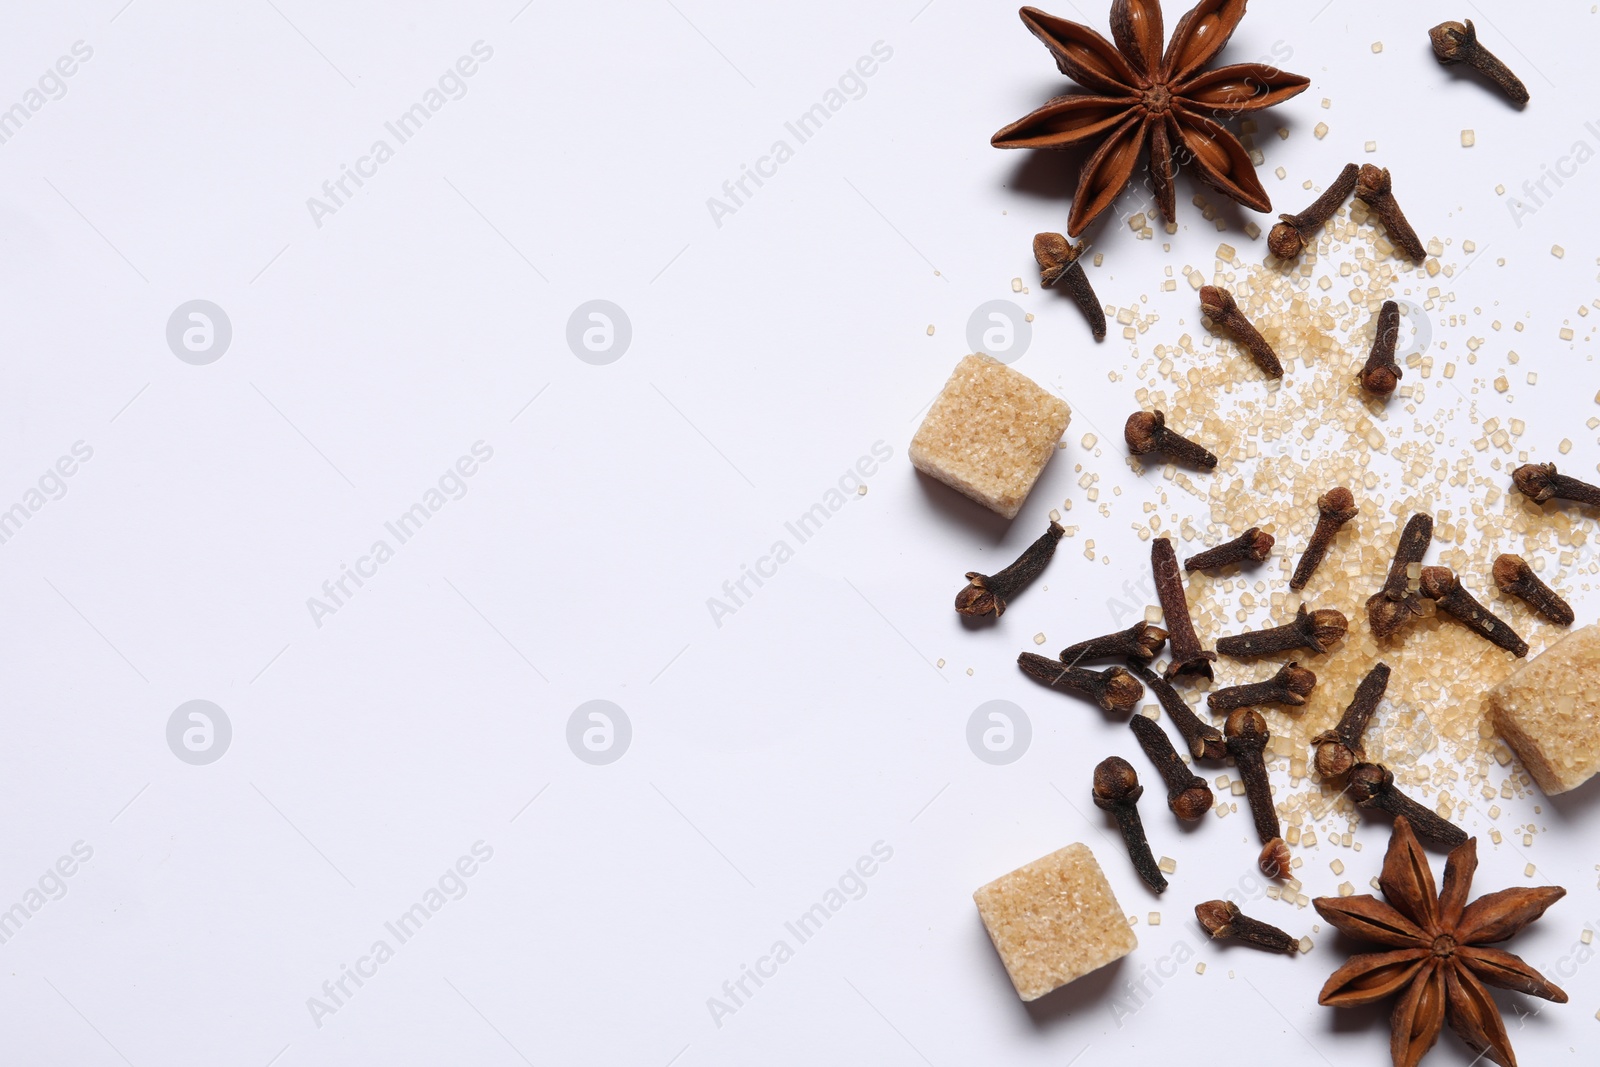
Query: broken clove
[
  {"x": 1247, "y": 744},
  {"x": 1539, "y": 482},
  {"x": 1223, "y": 920},
  {"x": 1375, "y": 188},
  {"x": 1399, "y": 600},
  {"x": 1141, "y": 640},
  {"x": 1114, "y": 689},
  {"x": 1290, "y": 237},
  {"x": 1187, "y": 793},
  {"x": 986, "y": 594},
  {"x": 1291, "y": 685},
  {"x": 1372, "y": 786},
  {"x": 1334, "y": 508},
  {"x": 1440, "y": 585},
  {"x": 1187, "y": 655},
  {"x": 1254, "y": 545},
  {"x": 1341, "y": 748},
  {"x": 1146, "y": 432},
  {"x": 1219, "y": 306},
  {"x": 1314, "y": 630},
  {"x": 1204, "y": 740},
  {"x": 1058, "y": 263},
  {"x": 1381, "y": 373},
  {"x": 1117, "y": 790},
  {"x": 1457, "y": 42},
  {"x": 1514, "y": 577}
]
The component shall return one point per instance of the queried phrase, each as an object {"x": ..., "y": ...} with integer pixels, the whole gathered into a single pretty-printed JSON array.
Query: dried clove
[
  {"x": 1399, "y": 600},
  {"x": 1223, "y": 920},
  {"x": 1146, "y": 432},
  {"x": 1114, "y": 689},
  {"x": 1290, "y": 237},
  {"x": 1254, "y": 545},
  {"x": 986, "y": 594},
  {"x": 1117, "y": 790},
  {"x": 1341, "y": 748},
  {"x": 1247, "y": 744},
  {"x": 1058, "y": 263},
  {"x": 1381, "y": 373},
  {"x": 1440, "y": 585},
  {"x": 1291, "y": 685},
  {"x": 1141, "y": 640},
  {"x": 1314, "y": 630},
  {"x": 1372, "y": 786},
  {"x": 1375, "y": 188},
  {"x": 1204, "y": 740},
  {"x": 1220, "y": 308},
  {"x": 1334, "y": 508},
  {"x": 1539, "y": 482},
  {"x": 1187, "y": 793},
  {"x": 1514, "y": 577},
  {"x": 1457, "y": 42},
  {"x": 1187, "y": 655}
]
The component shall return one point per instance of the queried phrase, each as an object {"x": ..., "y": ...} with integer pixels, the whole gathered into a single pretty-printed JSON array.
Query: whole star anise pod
[
  {"x": 1169, "y": 100},
  {"x": 1437, "y": 961}
]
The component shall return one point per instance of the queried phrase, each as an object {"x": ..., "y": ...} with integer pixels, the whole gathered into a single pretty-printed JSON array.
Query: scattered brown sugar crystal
[
  {"x": 1549, "y": 711},
  {"x": 1054, "y": 920},
  {"x": 989, "y": 434}
]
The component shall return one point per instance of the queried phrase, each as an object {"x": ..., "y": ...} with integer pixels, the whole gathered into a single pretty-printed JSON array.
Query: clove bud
[
  {"x": 1457, "y": 42},
  {"x": 986, "y": 594},
  {"x": 1058, "y": 264},
  {"x": 1515, "y": 578}
]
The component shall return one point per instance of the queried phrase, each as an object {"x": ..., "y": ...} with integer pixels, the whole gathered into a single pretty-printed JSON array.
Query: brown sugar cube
[
  {"x": 989, "y": 434},
  {"x": 1054, "y": 920},
  {"x": 1549, "y": 711}
]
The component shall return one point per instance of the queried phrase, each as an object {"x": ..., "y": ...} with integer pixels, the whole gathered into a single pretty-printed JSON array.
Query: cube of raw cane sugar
[
  {"x": 1054, "y": 920},
  {"x": 989, "y": 434},
  {"x": 1549, "y": 711}
]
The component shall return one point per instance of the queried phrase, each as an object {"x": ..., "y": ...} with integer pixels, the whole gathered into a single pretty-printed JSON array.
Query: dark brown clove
[
  {"x": 1539, "y": 482},
  {"x": 1341, "y": 748},
  {"x": 1314, "y": 630},
  {"x": 1375, "y": 188},
  {"x": 1204, "y": 740},
  {"x": 1187, "y": 793},
  {"x": 1141, "y": 641},
  {"x": 986, "y": 594},
  {"x": 1220, "y": 307},
  {"x": 1113, "y": 689},
  {"x": 1252, "y": 546},
  {"x": 1146, "y": 432},
  {"x": 1399, "y": 600},
  {"x": 1058, "y": 264},
  {"x": 1381, "y": 373},
  {"x": 1457, "y": 42},
  {"x": 1187, "y": 655},
  {"x": 1372, "y": 786},
  {"x": 1117, "y": 790},
  {"x": 1223, "y": 920},
  {"x": 1515, "y": 578},
  {"x": 1290, "y": 237},
  {"x": 1334, "y": 508},
  {"x": 1247, "y": 744},
  {"x": 1291, "y": 685},
  {"x": 1440, "y": 585}
]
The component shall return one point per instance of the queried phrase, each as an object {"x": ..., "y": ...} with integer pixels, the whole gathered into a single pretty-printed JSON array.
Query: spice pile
[{"x": 1339, "y": 533}]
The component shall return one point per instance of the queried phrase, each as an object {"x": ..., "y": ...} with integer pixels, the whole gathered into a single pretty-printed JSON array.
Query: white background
[{"x": 769, "y": 354}]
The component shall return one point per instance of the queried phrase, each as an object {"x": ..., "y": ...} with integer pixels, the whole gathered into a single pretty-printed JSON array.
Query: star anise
[
  {"x": 1437, "y": 961},
  {"x": 1141, "y": 94}
]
